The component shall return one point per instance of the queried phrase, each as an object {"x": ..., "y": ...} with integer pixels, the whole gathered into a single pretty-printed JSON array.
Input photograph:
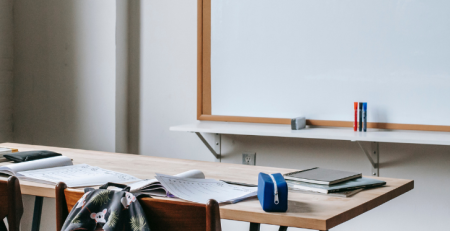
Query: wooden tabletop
[{"x": 310, "y": 211}]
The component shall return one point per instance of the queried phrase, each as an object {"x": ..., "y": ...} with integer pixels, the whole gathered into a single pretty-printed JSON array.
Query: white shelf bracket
[
  {"x": 216, "y": 148},
  {"x": 373, "y": 156}
]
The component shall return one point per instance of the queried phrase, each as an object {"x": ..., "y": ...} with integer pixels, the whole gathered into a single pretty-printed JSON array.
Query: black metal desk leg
[
  {"x": 283, "y": 228},
  {"x": 254, "y": 226},
  {"x": 37, "y": 213}
]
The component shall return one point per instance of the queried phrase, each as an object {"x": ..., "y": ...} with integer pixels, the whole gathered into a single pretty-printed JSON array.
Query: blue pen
[{"x": 365, "y": 116}]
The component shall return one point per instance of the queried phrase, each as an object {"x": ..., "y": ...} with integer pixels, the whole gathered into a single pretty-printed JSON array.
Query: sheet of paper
[
  {"x": 76, "y": 176},
  {"x": 201, "y": 190}
]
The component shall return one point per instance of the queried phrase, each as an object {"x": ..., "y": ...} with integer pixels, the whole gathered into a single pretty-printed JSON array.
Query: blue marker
[{"x": 365, "y": 116}]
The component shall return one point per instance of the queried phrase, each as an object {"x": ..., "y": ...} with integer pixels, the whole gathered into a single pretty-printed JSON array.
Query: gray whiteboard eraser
[{"x": 298, "y": 123}]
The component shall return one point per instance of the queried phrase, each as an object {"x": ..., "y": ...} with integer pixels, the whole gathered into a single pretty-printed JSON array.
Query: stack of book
[
  {"x": 331, "y": 182},
  {"x": 4, "y": 151}
]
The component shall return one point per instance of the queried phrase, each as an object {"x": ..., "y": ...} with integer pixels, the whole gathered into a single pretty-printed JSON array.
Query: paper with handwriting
[
  {"x": 201, "y": 190},
  {"x": 79, "y": 175}
]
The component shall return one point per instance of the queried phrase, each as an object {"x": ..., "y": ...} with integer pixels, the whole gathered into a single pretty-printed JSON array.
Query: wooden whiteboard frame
[{"x": 204, "y": 111}]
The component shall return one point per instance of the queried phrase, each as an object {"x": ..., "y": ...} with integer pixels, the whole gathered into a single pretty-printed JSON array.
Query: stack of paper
[{"x": 5, "y": 151}]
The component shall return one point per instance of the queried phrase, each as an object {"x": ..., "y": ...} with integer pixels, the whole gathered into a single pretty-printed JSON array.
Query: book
[
  {"x": 343, "y": 194},
  {"x": 4, "y": 151},
  {"x": 357, "y": 183},
  {"x": 13, "y": 169},
  {"x": 321, "y": 176},
  {"x": 154, "y": 188}
]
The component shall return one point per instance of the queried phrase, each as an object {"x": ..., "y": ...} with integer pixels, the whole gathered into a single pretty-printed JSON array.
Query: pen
[
  {"x": 355, "y": 124},
  {"x": 360, "y": 116},
  {"x": 239, "y": 183},
  {"x": 365, "y": 116}
]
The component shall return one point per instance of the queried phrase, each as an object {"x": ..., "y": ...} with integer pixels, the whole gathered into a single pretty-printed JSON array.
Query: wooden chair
[
  {"x": 11, "y": 205},
  {"x": 162, "y": 214}
]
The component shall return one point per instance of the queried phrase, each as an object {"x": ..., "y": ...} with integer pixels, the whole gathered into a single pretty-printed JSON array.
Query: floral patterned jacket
[{"x": 103, "y": 209}]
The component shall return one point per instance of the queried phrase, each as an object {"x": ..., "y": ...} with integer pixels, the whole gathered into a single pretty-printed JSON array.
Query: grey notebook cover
[
  {"x": 348, "y": 185},
  {"x": 322, "y": 176}
]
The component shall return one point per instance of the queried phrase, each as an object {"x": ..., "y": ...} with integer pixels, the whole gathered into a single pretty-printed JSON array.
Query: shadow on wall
[
  {"x": 6, "y": 66},
  {"x": 45, "y": 73},
  {"x": 66, "y": 81},
  {"x": 128, "y": 72},
  {"x": 134, "y": 76}
]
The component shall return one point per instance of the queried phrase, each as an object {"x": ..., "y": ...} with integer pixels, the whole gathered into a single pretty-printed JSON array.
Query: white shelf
[{"x": 328, "y": 133}]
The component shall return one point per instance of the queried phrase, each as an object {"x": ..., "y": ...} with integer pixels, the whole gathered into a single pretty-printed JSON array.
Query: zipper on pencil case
[{"x": 276, "y": 201}]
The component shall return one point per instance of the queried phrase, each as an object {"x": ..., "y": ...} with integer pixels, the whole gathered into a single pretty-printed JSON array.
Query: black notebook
[{"x": 321, "y": 176}]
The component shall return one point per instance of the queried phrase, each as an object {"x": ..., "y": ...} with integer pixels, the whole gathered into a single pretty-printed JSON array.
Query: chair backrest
[
  {"x": 162, "y": 214},
  {"x": 11, "y": 205}
]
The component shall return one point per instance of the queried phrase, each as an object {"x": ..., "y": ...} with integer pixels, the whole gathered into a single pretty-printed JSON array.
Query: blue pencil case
[{"x": 272, "y": 192}]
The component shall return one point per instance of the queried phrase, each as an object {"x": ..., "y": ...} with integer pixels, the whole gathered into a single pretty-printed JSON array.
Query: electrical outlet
[{"x": 249, "y": 158}]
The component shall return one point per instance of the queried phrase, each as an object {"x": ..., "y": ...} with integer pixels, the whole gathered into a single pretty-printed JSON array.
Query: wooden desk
[{"x": 305, "y": 210}]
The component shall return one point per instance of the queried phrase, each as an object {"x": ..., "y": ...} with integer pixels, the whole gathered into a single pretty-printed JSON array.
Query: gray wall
[
  {"x": 6, "y": 69},
  {"x": 68, "y": 105},
  {"x": 64, "y": 79},
  {"x": 65, "y": 73}
]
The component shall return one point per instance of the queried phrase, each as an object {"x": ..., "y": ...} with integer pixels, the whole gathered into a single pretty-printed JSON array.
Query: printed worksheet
[
  {"x": 201, "y": 190},
  {"x": 79, "y": 175}
]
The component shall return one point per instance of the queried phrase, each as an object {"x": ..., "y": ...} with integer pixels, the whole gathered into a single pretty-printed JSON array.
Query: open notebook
[
  {"x": 201, "y": 190},
  {"x": 60, "y": 169},
  {"x": 154, "y": 188},
  {"x": 192, "y": 186},
  {"x": 58, "y": 161}
]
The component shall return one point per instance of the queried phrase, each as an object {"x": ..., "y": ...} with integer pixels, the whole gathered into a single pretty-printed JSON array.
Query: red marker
[{"x": 355, "y": 125}]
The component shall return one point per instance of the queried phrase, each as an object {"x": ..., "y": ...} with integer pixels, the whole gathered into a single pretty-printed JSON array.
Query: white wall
[
  {"x": 169, "y": 78},
  {"x": 168, "y": 97},
  {"x": 6, "y": 68}
]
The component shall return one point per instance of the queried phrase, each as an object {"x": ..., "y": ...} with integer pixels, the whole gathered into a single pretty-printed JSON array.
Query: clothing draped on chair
[{"x": 110, "y": 210}]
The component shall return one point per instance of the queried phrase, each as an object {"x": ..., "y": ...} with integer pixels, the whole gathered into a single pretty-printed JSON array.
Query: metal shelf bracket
[
  {"x": 216, "y": 148},
  {"x": 373, "y": 156}
]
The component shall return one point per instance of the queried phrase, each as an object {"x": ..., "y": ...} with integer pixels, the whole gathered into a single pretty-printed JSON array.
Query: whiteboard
[{"x": 314, "y": 58}]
